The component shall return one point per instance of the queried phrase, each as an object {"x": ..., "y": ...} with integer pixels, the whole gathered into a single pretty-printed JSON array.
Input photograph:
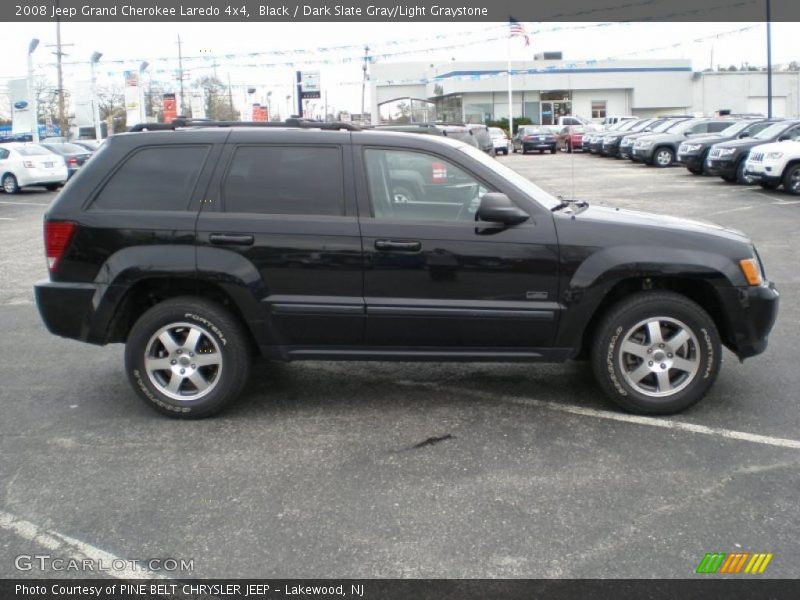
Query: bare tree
[{"x": 218, "y": 99}]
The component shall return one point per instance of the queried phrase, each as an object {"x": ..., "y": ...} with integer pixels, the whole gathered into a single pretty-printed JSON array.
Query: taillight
[
  {"x": 28, "y": 164},
  {"x": 72, "y": 161},
  {"x": 57, "y": 235}
]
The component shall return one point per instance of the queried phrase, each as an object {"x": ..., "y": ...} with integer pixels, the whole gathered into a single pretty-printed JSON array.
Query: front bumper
[
  {"x": 610, "y": 148},
  {"x": 644, "y": 155},
  {"x": 721, "y": 166},
  {"x": 752, "y": 312},
  {"x": 764, "y": 172},
  {"x": 693, "y": 161},
  {"x": 625, "y": 150}
]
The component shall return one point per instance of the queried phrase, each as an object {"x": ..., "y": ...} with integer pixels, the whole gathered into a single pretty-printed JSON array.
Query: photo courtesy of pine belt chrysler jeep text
[{"x": 203, "y": 247}]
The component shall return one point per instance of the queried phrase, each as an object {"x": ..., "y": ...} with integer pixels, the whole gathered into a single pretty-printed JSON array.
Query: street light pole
[
  {"x": 98, "y": 132},
  {"x": 142, "y": 107},
  {"x": 769, "y": 60},
  {"x": 32, "y": 97}
]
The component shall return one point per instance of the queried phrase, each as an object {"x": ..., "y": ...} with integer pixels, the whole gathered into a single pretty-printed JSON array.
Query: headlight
[
  {"x": 609, "y": 138},
  {"x": 774, "y": 155},
  {"x": 727, "y": 151},
  {"x": 644, "y": 143},
  {"x": 625, "y": 142},
  {"x": 691, "y": 147}
]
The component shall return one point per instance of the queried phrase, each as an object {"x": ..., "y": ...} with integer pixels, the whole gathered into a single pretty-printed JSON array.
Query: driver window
[
  {"x": 418, "y": 186},
  {"x": 3, "y": 154}
]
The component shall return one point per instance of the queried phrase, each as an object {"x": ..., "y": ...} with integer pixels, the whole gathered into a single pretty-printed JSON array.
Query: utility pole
[
  {"x": 769, "y": 60},
  {"x": 180, "y": 71},
  {"x": 364, "y": 81},
  {"x": 62, "y": 111},
  {"x": 230, "y": 95}
]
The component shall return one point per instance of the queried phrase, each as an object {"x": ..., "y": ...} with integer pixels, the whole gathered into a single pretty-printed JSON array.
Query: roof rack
[{"x": 181, "y": 122}]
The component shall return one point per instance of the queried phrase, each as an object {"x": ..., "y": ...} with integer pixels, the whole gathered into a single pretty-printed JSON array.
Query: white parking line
[
  {"x": 614, "y": 416},
  {"x": 70, "y": 548},
  {"x": 730, "y": 210},
  {"x": 24, "y": 203},
  {"x": 7, "y": 219}
]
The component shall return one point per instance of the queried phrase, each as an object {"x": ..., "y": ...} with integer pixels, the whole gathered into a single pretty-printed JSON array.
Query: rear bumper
[
  {"x": 538, "y": 146},
  {"x": 67, "y": 309},
  {"x": 752, "y": 312}
]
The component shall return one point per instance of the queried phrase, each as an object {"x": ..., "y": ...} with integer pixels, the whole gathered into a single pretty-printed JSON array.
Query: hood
[
  {"x": 709, "y": 138},
  {"x": 787, "y": 146},
  {"x": 742, "y": 143},
  {"x": 635, "y": 218},
  {"x": 667, "y": 137}
]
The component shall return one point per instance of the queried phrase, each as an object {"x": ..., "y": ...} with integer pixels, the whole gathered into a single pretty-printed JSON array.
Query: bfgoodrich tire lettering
[
  {"x": 187, "y": 357},
  {"x": 656, "y": 353}
]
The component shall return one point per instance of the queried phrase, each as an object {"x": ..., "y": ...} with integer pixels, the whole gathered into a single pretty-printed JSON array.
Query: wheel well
[
  {"x": 696, "y": 290},
  {"x": 149, "y": 292},
  {"x": 792, "y": 163}
]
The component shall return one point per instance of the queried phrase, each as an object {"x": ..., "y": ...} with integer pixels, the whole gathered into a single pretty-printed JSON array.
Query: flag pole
[{"x": 510, "y": 104}]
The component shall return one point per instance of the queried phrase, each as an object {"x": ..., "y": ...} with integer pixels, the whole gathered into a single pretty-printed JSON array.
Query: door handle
[
  {"x": 231, "y": 239},
  {"x": 395, "y": 245}
]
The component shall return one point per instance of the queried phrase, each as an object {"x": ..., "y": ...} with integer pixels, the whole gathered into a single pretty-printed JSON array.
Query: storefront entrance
[{"x": 554, "y": 105}]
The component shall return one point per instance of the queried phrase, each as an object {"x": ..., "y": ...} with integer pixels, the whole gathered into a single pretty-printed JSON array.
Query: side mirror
[
  {"x": 743, "y": 135},
  {"x": 783, "y": 138},
  {"x": 498, "y": 208}
]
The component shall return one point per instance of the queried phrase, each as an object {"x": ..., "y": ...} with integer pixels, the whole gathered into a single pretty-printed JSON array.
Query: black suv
[
  {"x": 660, "y": 149},
  {"x": 202, "y": 247},
  {"x": 727, "y": 159},
  {"x": 693, "y": 153}
]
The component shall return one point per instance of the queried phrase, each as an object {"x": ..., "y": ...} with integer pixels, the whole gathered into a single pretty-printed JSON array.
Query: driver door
[{"x": 434, "y": 277}]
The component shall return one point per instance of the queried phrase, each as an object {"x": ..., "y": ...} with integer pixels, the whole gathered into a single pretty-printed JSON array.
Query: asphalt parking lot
[{"x": 321, "y": 471}]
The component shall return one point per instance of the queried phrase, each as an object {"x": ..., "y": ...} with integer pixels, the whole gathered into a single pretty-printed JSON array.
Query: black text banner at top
[{"x": 397, "y": 11}]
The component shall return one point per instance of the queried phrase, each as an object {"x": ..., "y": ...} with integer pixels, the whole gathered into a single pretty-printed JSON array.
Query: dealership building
[{"x": 544, "y": 89}]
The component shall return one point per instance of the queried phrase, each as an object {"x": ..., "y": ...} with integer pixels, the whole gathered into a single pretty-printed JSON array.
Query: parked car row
[
  {"x": 48, "y": 164},
  {"x": 751, "y": 150}
]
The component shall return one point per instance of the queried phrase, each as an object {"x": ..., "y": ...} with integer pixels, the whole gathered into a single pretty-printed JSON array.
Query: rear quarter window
[{"x": 154, "y": 178}]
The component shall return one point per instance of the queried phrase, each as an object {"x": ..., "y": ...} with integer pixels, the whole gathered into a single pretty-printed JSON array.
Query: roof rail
[{"x": 181, "y": 122}]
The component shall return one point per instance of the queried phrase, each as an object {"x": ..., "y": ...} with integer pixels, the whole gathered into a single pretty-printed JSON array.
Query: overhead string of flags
[{"x": 505, "y": 33}]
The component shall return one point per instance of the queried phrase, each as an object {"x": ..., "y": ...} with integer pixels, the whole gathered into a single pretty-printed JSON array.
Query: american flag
[{"x": 515, "y": 28}]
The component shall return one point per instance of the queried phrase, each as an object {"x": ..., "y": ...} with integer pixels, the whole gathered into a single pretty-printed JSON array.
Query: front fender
[{"x": 589, "y": 284}]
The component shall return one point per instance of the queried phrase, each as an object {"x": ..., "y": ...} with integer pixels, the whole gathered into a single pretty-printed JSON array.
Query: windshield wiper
[{"x": 576, "y": 205}]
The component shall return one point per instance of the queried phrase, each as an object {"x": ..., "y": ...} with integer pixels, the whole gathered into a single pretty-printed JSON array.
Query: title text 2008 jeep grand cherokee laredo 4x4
[{"x": 203, "y": 246}]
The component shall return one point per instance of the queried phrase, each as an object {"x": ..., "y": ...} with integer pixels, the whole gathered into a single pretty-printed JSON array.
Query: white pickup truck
[{"x": 776, "y": 164}]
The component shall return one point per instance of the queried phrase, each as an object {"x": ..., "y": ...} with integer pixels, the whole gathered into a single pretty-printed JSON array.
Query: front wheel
[
  {"x": 663, "y": 157},
  {"x": 742, "y": 177},
  {"x": 656, "y": 353},
  {"x": 187, "y": 357},
  {"x": 695, "y": 170},
  {"x": 791, "y": 181}
]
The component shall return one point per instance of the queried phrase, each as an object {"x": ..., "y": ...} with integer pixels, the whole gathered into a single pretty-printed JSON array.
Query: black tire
[
  {"x": 695, "y": 171},
  {"x": 791, "y": 180},
  {"x": 541, "y": 151},
  {"x": 768, "y": 185},
  {"x": 569, "y": 149},
  {"x": 9, "y": 184},
  {"x": 663, "y": 157},
  {"x": 729, "y": 178},
  {"x": 741, "y": 178},
  {"x": 221, "y": 338},
  {"x": 553, "y": 150},
  {"x": 52, "y": 187},
  {"x": 672, "y": 312}
]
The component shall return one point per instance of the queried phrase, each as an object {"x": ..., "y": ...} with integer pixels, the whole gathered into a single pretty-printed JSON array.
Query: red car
[{"x": 570, "y": 138}]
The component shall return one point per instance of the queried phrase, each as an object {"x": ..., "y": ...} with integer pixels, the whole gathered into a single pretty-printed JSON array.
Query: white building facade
[{"x": 544, "y": 90}]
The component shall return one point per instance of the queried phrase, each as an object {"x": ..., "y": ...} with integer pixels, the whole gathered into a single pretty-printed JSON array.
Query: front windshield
[
  {"x": 628, "y": 125},
  {"x": 642, "y": 125},
  {"x": 681, "y": 126},
  {"x": 536, "y": 193},
  {"x": 736, "y": 128},
  {"x": 770, "y": 132}
]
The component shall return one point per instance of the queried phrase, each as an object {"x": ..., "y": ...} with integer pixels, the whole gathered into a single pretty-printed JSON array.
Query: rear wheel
[
  {"x": 10, "y": 185},
  {"x": 791, "y": 180},
  {"x": 553, "y": 150},
  {"x": 656, "y": 353},
  {"x": 663, "y": 157},
  {"x": 187, "y": 357}
]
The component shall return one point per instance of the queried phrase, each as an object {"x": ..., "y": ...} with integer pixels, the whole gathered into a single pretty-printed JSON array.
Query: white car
[
  {"x": 500, "y": 140},
  {"x": 25, "y": 164},
  {"x": 776, "y": 164}
]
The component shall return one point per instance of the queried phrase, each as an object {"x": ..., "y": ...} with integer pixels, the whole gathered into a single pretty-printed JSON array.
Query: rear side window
[
  {"x": 154, "y": 178},
  {"x": 3, "y": 153},
  {"x": 285, "y": 180},
  {"x": 717, "y": 126}
]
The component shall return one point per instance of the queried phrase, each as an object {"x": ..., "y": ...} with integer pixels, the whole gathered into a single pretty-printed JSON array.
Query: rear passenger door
[{"x": 280, "y": 221}]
